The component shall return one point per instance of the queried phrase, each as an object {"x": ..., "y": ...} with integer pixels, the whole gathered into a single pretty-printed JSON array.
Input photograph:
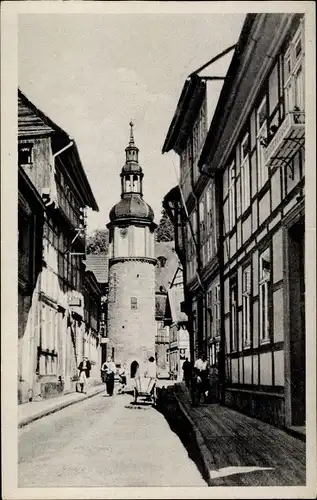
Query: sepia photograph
[{"x": 164, "y": 329}]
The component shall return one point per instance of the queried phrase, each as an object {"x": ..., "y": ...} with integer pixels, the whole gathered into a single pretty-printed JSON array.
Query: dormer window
[{"x": 25, "y": 156}]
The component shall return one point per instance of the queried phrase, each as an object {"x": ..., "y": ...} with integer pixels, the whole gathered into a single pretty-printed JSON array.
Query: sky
[{"x": 92, "y": 73}]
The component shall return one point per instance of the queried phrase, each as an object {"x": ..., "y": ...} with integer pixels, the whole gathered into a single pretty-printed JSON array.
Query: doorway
[
  {"x": 296, "y": 307},
  {"x": 133, "y": 369}
]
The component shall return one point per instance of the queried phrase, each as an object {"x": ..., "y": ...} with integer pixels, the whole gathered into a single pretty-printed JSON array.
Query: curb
[
  {"x": 205, "y": 454},
  {"x": 294, "y": 433},
  {"x": 54, "y": 409}
]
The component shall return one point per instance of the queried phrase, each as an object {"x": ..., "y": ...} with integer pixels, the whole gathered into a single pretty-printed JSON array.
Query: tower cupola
[
  {"x": 131, "y": 173},
  {"x": 132, "y": 205}
]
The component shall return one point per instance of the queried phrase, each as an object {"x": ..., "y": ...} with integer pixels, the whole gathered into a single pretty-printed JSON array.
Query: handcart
[{"x": 145, "y": 387}]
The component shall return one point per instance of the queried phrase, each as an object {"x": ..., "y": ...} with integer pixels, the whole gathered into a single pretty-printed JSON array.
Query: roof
[
  {"x": 160, "y": 306},
  {"x": 99, "y": 265},
  {"x": 175, "y": 297},
  {"x": 131, "y": 167},
  {"x": 132, "y": 206},
  {"x": 186, "y": 111},
  {"x": 261, "y": 37},
  {"x": 32, "y": 122},
  {"x": 29, "y": 122},
  {"x": 164, "y": 275}
]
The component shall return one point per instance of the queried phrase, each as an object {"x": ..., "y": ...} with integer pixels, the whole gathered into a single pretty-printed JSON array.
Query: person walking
[
  {"x": 150, "y": 373},
  {"x": 187, "y": 370},
  {"x": 109, "y": 368},
  {"x": 201, "y": 370},
  {"x": 84, "y": 368}
]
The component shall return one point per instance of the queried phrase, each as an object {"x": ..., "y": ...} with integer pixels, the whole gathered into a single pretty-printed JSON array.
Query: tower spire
[{"x": 131, "y": 143}]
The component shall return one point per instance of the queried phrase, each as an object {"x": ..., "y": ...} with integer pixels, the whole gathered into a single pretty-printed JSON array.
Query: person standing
[
  {"x": 110, "y": 369},
  {"x": 84, "y": 368},
  {"x": 214, "y": 385},
  {"x": 187, "y": 370}
]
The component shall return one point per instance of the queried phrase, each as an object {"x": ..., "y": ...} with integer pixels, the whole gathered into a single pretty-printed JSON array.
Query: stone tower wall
[{"x": 131, "y": 331}]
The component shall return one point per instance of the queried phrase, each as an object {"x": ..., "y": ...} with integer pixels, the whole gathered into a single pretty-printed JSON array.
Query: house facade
[
  {"x": 192, "y": 208},
  {"x": 50, "y": 161},
  {"x": 98, "y": 265},
  {"x": 253, "y": 156},
  {"x": 258, "y": 150},
  {"x": 178, "y": 349},
  {"x": 91, "y": 346},
  {"x": 166, "y": 264}
]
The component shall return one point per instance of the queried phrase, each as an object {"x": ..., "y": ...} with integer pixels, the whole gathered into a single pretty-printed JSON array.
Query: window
[
  {"x": 135, "y": 184},
  {"x": 294, "y": 75},
  {"x": 25, "y": 156},
  {"x": 202, "y": 220},
  {"x": 246, "y": 306},
  {"x": 264, "y": 284},
  {"x": 217, "y": 311},
  {"x": 245, "y": 173},
  {"x": 261, "y": 142},
  {"x": 212, "y": 355},
  {"x": 233, "y": 315},
  {"x": 134, "y": 303},
  {"x": 127, "y": 184},
  {"x": 194, "y": 320},
  {"x": 232, "y": 195}
]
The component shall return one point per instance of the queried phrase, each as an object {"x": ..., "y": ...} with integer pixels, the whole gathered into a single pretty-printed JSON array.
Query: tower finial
[{"x": 131, "y": 143}]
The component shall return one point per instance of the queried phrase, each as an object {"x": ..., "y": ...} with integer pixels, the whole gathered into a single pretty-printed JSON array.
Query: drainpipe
[{"x": 221, "y": 355}]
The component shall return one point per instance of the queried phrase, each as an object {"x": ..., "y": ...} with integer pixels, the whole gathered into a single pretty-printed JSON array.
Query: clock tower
[{"x": 131, "y": 299}]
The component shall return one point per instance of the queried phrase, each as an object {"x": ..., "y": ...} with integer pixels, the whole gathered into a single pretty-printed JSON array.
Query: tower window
[
  {"x": 135, "y": 183},
  {"x": 127, "y": 184},
  {"x": 134, "y": 303}
]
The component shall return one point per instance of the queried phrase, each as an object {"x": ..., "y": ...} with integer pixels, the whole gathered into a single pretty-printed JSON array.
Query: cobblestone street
[{"x": 104, "y": 441}]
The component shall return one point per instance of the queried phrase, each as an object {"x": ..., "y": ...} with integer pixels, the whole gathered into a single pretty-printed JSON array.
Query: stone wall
[{"x": 131, "y": 330}]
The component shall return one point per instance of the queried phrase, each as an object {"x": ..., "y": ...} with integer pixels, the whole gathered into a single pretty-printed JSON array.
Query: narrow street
[{"x": 103, "y": 442}]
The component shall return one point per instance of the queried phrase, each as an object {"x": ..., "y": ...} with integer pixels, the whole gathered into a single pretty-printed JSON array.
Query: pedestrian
[
  {"x": 123, "y": 378},
  {"x": 84, "y": 368},
  {"x": 109, "y": 368},
  {"x": 150, "y": 373},
  {"x": 187, "y": 369},
  {"x": 214, "y": 384},
  {"x": 150, "y": 369},
  {"x": 201, "y": 367}
]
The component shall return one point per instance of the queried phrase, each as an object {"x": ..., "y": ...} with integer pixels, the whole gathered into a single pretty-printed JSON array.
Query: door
[{"x": 296, "y": 256}]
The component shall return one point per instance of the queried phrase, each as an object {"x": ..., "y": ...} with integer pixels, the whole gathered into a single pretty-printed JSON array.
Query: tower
[{"x": 131, "y": 300}]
